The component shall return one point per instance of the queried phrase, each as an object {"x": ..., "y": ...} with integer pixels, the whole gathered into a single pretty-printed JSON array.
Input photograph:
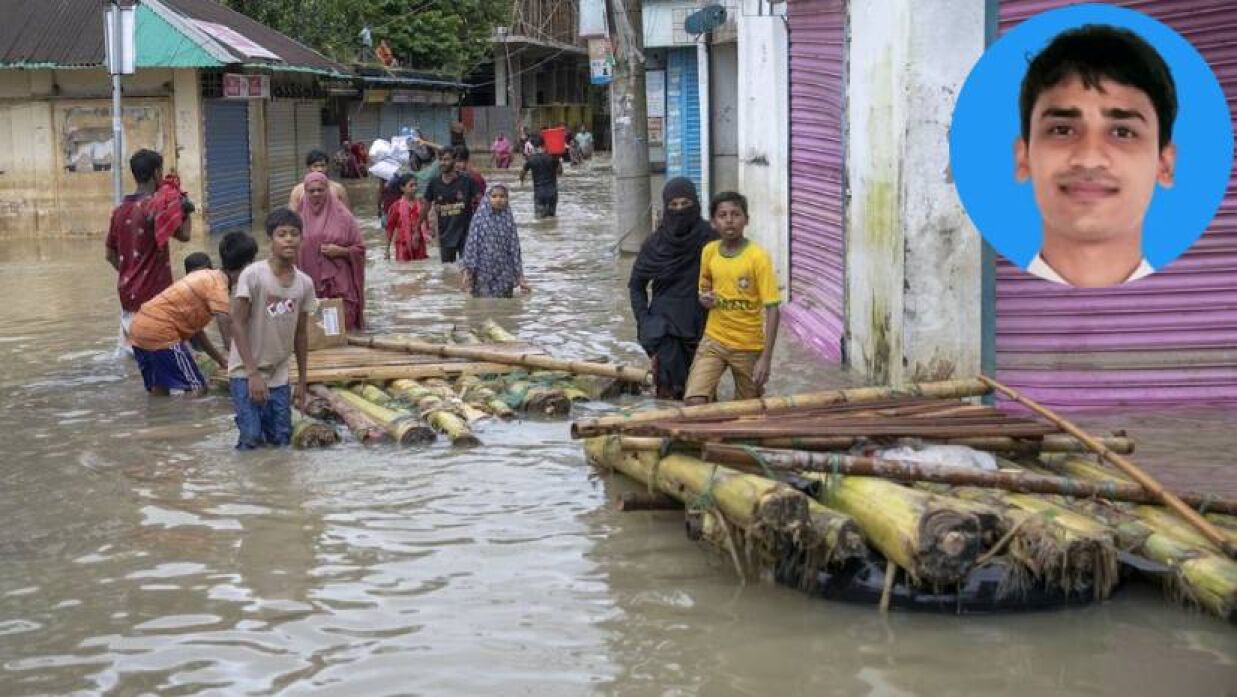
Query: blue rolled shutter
[{"x": 227, "y": 165}]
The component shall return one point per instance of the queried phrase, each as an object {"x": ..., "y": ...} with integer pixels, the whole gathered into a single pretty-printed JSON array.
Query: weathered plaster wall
[
  {"x": 764, "y": 132},
  {"x": 912, "y": 259}
]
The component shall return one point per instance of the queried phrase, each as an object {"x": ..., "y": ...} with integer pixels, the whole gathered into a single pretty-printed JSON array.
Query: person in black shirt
[
  {"x": 454, "y": 197},
  {"x": 546, "y": 169}
]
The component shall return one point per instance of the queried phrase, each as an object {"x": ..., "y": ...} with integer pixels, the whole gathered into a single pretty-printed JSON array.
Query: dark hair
[
  {"x": 197, "y": 261},
  {"x": 144, "y": 163},
  {"x": 728, "y": 197},
  {"x": 1096, "y": 51},
  {"x": 237, "y": 250},
  {"x": 280, "y": 217},
  {"x": 400, "y": 180},
  {"x": 316, "y": 156},
  {"x": 538, "y": 141},
  {"x": 446, "y": 151},
  {"x": 461, "y": 153}
]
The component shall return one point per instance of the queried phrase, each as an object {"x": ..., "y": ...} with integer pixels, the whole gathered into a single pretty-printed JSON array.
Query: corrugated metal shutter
[
  {"x": 282, "y": 162},
  {"x": 227, "y": 165},
  {"x": 364, "y": 123},
  {"x": 1169, "y": 339},
  {"x": 817, "y": 35},
  {"x": 434, "y": 122},
  {"x": 683, "y": 116},
  {"x": 308, "y": 131}
]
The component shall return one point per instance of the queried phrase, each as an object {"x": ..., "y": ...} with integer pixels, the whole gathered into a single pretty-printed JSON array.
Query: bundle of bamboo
[
  {"x": 436, "y": 412},
  {"x": 403, "y": 426},
  {"x": 365, "y": 429},
  {"x": 1053, "y": 534}
]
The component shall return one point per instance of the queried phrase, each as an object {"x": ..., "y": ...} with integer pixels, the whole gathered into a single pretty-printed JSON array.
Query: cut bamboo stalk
[
  {"x": 310, "y": 433},
  {"x": 366, "y": 430},
  {"x": 1149, "y": 483},
  {"x": 952, "y": 388},
  {"x": 1018, "y": 481},
  {"x": 1054, "y": 443},
  {"x": 813, "y": 535},
  {"x": 494, "y": 332},
  {"x": 480, "y": 394},
  {"x": 371, "y": 393},
  {"x": 1071, "y": 550},
  {"x": 538, "y": 399},
  {"x": 933, "y": 544},
  {"x": 403, "y": 426},
  {"x": 318, "y": 408},
  {"x": 529, "y": 360},
  {"x": 437, "y": 413},
  {"x": 1197, "y": 574}
]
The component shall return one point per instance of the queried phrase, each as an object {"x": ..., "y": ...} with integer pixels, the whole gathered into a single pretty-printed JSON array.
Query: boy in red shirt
[{"x": 136, "y": 246}]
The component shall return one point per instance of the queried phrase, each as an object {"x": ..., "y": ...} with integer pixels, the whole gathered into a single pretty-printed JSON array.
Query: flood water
[{"x": 140, "y": 554}]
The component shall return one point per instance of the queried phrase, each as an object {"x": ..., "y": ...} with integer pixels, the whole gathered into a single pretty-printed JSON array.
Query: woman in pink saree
[
  {"x": 333, "y": 252},
  {"x": 501, "y": 152}
]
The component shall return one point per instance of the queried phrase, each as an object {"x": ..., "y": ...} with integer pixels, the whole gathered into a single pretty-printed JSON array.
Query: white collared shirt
[{"x": 1039, "y": 267}]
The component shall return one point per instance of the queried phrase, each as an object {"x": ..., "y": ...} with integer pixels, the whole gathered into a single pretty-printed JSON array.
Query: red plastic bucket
[{"x": 555, "y": 140}]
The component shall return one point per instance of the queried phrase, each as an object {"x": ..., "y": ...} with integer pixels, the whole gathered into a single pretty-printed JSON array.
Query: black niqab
[{"x": 674, "y": 248}]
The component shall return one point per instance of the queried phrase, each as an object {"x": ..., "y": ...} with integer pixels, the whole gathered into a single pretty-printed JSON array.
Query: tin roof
[{"x": 69, "y": 34}]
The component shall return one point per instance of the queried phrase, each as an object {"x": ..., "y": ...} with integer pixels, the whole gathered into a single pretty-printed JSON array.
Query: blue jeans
[{"x": 262, "y": 424}]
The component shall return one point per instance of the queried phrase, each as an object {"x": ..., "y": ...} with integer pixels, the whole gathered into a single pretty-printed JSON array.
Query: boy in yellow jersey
[{"x": 738, "y": 287}]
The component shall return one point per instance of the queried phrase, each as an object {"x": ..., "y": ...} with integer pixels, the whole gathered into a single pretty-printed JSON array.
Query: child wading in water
[
  {"x": 404, "y": 227},
  {"x": 181, "y": 313},
  {"x": 493, "y": 267},
  {"x": 739, "y": 289},
  {"x": 269, "y": 320}
]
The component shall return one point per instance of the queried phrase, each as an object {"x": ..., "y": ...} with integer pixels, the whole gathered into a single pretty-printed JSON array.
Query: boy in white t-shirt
[{"x": 269, "y": 322}]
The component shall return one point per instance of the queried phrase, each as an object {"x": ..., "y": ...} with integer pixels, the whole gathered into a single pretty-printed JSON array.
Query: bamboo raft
[
  {"x": 409, "y": 392},
  {"x": 919, "y": 498}
]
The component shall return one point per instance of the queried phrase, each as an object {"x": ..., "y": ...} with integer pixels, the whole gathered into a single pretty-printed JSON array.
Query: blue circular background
[{"x": 986, "y": 122}]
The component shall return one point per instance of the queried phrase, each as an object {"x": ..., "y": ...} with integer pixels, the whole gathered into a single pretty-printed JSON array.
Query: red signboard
[{"x": 246, "y": 86}]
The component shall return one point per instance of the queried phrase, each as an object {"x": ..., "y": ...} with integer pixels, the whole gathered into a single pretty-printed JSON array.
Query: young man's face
[
  {"x": 446, "y": 164},
  {"x": 286, "y": 242},
  {"x": 1093, "y": 160},
  {"x": 319, "y": 166},
  {"x": 729, "y": 220}
]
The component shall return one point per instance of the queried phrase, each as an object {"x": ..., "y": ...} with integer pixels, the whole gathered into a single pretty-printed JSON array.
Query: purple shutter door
[
  {"x": 817, "y": 31},
  {"x": 1169, "y": 339}
]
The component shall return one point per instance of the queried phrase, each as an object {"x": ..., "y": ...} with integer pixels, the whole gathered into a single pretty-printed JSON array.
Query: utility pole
[
  {"x": 629, "y": 127},
  {"x": 119, "y": 44}
]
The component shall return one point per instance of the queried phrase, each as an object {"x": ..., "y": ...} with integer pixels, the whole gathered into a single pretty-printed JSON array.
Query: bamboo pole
[
  {"x": 485, "y": 397},
  {"x": 1053, "y": 443},
  {"x": 907, "y": 471},
  {"x": 363, "y": 427},
  {"x": 309, "y": 433},
  {"x": 1145, "y": 480},
  {"x": 418, "y": 371},
  {"x": 529, "y": 360},
  {"x": 403, "y": 426},
  {"x": 531, "y": 397},
  {"x": 951, "y": 388}
]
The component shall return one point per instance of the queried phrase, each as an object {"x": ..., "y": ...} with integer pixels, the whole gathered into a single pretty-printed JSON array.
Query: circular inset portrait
[{"x": 1091, "y": 145}]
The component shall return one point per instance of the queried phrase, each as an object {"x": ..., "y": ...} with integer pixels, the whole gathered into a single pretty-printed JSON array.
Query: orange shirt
[{"x": 181, "y": 311}]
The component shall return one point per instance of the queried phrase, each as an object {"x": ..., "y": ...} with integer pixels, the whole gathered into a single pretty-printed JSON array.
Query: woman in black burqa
[{"x": 670, "y": 325}]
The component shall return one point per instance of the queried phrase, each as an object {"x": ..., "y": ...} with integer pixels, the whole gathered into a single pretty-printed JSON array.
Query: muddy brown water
[{"x": 140, "y": 554}]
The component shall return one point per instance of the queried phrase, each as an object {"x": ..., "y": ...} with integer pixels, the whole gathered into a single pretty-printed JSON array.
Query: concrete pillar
[
  {"x": 501, "y": 85},
  {"x": 913, "y": 260},
  {"x": 190, "y": 156},
  {"x": 764, "y": 132}
]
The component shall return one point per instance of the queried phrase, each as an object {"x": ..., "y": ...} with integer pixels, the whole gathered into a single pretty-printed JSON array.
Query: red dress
[{"x": 403, "y": 229}]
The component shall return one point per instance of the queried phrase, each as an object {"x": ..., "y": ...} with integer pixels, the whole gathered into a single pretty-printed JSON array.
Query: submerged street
[{"x": 141, "y": 554}]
